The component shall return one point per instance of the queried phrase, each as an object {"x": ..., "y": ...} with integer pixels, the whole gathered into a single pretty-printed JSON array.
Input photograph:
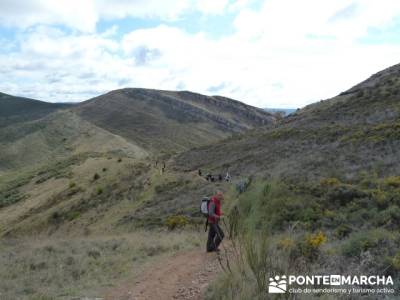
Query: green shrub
[
  {"x": 360, "y": 94},
  {"x": 344, "y": 194},
  {"x": 287, "y": 244},
  {"x": 395, "y": 261},
  {"x": 380, "y": 198},
  {"x": 362, "y": 241},
  {"x": 393, "y": 181},
  {"x": 94, "y": 254},
  {"x": 368, "y": 180},
  {"x": 96, "y": 176},
  {"x": 330, "y": 181},
  {"x": 72, "y": 185},
  {"x": 266, "y": 189},
  {"x": 257, "y": 254},
  {"x": 55, "y": 218},
  {"x": 178, "y": 221},
  {"x": 72, "y": 215},
  {"x": 11, "y": 197},
  {"x": 390, "y": 216},
  {"x": 343, "y": 231}
]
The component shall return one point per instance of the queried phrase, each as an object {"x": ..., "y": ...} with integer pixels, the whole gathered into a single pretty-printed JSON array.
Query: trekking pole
[
  {"x": 219, "y": 235},
  {"x": 228, "y": 265},
  {"x": 226, "y": 227}
]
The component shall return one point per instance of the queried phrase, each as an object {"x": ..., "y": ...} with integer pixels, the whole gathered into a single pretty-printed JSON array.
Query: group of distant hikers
[{"x": 212, "y": 178}]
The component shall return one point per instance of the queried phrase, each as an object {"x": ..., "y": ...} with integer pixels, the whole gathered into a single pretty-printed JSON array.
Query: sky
[{"x": 266, "y": 53}]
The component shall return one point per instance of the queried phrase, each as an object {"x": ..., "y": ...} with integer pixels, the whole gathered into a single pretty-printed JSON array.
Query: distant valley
[{"x": 285, "y": 111}]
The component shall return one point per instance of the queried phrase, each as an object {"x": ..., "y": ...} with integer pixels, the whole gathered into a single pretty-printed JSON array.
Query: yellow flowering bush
[
  {"x": 316, "y": 240},
  {"x": 176, "y": 222},
  {"x": 286, "y": 243},
  {"x": 330, "y": 181}
]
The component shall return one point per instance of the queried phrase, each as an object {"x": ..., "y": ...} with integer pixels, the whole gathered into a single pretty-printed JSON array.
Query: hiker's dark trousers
[{"x": 215, "y": 237}]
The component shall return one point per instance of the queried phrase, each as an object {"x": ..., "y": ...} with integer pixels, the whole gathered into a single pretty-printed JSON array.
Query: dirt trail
[{"x": 182, "y": 276}]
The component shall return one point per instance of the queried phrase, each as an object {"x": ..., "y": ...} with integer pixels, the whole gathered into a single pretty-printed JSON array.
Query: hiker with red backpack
[{"x": 214, "y": 215}]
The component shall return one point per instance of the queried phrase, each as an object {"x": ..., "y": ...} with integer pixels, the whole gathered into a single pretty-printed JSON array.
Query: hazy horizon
[{"x": 77, "y": 102}]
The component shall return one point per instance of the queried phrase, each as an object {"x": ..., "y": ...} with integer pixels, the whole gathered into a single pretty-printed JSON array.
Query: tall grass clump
[{"x": 299, "y": 227}]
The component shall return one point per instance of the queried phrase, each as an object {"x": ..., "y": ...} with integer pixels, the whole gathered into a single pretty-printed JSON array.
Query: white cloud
[
  {"x": 118, "y": 9},
  {"x": 83, "y": 15},
  {"x": 212, "y": 6},
  {"x": 286, "y": 54},
  {"x": 283, "y": 55},
  {"x": 54, "y": 66},
  {"x": 75, "y": 14}
]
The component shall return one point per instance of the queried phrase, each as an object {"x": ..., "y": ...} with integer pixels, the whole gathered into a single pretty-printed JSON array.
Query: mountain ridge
[
  {"x": 20, "y": 109},
  {"x": 328, "y": 133},
  {"x": 143, "y": 121},
  {"x": 175, "y": 120}
]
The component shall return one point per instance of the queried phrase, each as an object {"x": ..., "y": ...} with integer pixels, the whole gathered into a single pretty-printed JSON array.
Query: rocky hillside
[
  {"x": 372, "y": 101},
  {"x": 169, "y": 121},
  {"x": 130, "y": 121},
  {"x": 321, "y": 193},
  {"x": 356, "y": 130}
]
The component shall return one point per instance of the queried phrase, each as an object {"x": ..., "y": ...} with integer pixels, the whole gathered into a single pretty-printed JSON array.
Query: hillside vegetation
[
  {"x": 56, "y": 137},
  {"x": 98, "y": 166},
  {"x": 18, "y": 109},
  {"x": 324, "y": 191},
  {"x": 134, "y": 122},
  {"x": 82, "y": 267},
  {"x": 353, "y": 132},
  {"x": 315, "y": 192},
  {"x": 169, "y": 122}
]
